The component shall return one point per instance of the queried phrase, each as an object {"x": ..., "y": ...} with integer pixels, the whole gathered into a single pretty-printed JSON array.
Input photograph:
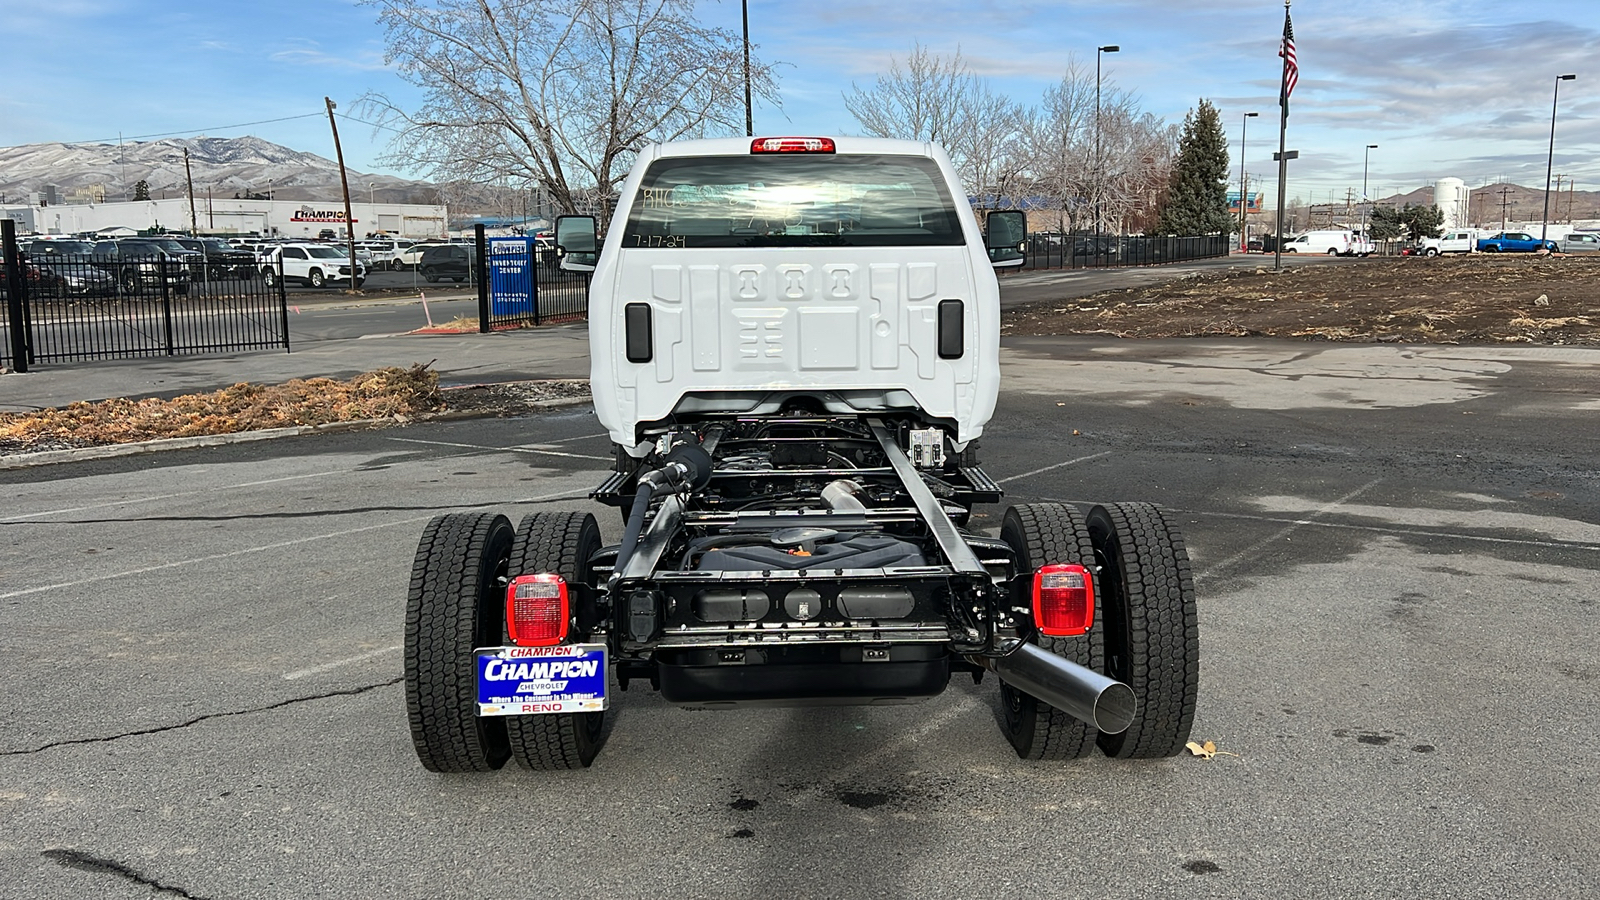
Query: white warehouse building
[{"x": 270, "y": 218}]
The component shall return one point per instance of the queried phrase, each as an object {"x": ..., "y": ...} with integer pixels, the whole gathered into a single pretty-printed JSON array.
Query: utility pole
[
  {"x": 349, "y": 221},
  {"x": 189, "y": 175},
  {"x": 749, "y": 117},
  {"x": 1244, "y": 183},
  {"x": 1098, "y": 173},
  {"x": 1504, "y": 203}
]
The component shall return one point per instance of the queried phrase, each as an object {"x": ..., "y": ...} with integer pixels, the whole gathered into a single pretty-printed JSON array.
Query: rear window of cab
[{"x": 792, "y": 200}]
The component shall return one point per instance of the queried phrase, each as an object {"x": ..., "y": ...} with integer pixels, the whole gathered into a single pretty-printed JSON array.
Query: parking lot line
[
  {"x": 1255, "y": 549},
  {"x": 1415, "y": 532},
  {"x": 174, "y": 496},
  {"x": 277, "y": 545},
  {"x": 328, "y": 667},
  {"x": 503, "y": 449},
  {"x": 1048, "y": 468}
]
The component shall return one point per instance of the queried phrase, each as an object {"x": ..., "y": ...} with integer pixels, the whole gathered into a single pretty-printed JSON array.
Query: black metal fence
[
  {"x": 526, "y": 286},
  {"x": 1085, "y": 251},
  {"x": 82, "y": 307}
]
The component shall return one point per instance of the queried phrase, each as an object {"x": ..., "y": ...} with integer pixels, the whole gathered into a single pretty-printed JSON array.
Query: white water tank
[{"x": 1450, "y": 195}]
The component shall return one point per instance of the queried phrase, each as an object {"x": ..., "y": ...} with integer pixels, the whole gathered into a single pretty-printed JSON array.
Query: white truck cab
[
  {"x": 737, "y": 270},
  {"x": 1462, "y": 240}
]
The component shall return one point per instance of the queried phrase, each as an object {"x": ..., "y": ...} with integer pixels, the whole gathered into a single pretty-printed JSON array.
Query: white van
[{"x": 1332, "y": 243}]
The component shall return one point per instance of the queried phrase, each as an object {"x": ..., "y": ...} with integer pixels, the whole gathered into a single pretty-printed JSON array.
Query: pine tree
[
  {"x": 1197, "y": 197},
  {"x": 141, "y": 190}
]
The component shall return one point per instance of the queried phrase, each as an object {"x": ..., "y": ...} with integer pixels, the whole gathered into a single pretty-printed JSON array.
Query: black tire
[
  {"x": 1044, "y": 533},
  {"x": 130, "y": 283},
  {"x": 1432, "y": 251},
  {"x": 1492, "y": 248},
  {"x": 269, "y": 277},
  {"x": 1333, "y": 251},
  {"x": 560, "y": 543},
  {"x": 456, "y": 603},
  {"x": 430, "y": 276},
  {"x": 360, "y": 281},
  {"x": 1150, "y": 627},
  {"x": 315, "y": 279}
]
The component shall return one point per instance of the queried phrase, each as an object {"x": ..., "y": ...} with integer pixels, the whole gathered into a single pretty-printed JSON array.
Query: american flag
[{"x": 1291, "y": 68}]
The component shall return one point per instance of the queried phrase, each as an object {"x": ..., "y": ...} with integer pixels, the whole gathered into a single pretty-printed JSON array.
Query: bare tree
[
  {"x": 939, "y": 99},
  {"x": 561, "y": 94}
]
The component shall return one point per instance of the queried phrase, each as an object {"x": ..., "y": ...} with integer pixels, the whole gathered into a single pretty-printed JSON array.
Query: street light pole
[
  {"x": 1244, "y": 186},
  {"x": 1109, "y": 48},
  {"x": 749, "y": 118},
  {"x": 1544, "y": 226},
  {"x": 1366, "y": 218}
]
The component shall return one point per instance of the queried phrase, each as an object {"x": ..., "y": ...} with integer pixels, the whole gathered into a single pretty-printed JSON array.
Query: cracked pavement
[{"x": 1398, "y": 583}]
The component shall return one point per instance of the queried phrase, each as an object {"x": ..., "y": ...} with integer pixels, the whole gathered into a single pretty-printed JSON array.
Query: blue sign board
[{"x": 511, "y": 279}]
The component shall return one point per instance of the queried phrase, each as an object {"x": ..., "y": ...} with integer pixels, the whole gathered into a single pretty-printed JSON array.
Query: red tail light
[
  {"x": 792, "y": 145},
  {"x": 536, "y": 610},
  {"x": 1063, "y": 600}
]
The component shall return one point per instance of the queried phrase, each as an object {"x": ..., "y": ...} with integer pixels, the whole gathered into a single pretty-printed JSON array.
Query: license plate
[{"x": 520, "y": 681}]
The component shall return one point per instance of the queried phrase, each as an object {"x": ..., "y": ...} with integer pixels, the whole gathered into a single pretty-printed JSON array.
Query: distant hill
[
  {"x": 224, "y": 166},
  {"x": 1521, "y": 204}
]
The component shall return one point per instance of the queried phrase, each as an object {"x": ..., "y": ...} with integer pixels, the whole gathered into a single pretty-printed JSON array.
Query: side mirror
[
  {"x": 576, "y": 245},
  {"x": 1006, "y": 238}
]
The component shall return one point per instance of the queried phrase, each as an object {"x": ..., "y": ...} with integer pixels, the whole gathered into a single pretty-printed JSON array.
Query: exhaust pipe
[{"x": 1082, "y": 693}]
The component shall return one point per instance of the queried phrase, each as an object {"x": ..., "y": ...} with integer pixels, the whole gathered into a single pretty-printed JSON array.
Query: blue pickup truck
[{"x": 1514, "y": 242}]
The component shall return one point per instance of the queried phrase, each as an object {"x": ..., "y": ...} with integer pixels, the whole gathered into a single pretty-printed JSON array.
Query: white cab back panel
[{"x": 856, "y": 318}]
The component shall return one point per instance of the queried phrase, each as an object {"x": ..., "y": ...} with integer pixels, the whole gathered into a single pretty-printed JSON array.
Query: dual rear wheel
[
  {"x": 456, "y": 603},
  {"x": 1146, "y": 631}
]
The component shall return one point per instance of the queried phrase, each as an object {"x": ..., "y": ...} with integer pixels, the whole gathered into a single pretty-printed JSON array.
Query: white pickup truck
[{"x": 1459, "y": 241}]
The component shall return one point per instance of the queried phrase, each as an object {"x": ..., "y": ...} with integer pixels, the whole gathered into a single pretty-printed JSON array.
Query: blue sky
[{"x": 1457, "y": 88}]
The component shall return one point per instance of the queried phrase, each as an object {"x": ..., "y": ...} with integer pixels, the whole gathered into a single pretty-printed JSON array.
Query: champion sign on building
[{"x": 330, "y": 216}]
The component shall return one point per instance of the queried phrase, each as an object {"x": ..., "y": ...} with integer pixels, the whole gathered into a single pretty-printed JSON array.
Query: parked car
[
  {"x": 1459, "y": 241},
  {"x": 313, "y": 265},
  {"x": 40, "y": 280},
  {"x": 138, "y": 263},
  {"x": 223, "y": 260},
  {"x": 43, "y": 251},
  {"x": 410, "y": 256},
  {"x": 1333, "y": 242},
  {"x": 384, "y": 253},
  {"x": 1515, "y": 242},
  {"x": 1095, "y": 245},
  {"x": 69, "y": 276},
  {"x": 452, "y": 261},
  {"x": 1580, "y": 242}
]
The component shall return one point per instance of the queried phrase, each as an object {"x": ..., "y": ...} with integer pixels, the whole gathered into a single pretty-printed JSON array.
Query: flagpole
[{"x": 1283, "y": 159}]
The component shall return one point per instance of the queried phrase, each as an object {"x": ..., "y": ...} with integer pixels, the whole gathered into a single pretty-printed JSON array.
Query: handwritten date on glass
[{"x": 658, "y": 240}]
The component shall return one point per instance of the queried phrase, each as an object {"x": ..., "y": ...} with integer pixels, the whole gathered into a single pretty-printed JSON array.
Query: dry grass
[{"x": 385, "y": 393}]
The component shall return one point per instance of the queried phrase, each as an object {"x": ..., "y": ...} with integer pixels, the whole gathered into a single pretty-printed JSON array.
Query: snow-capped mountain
[{"x": 224, "y": 166}]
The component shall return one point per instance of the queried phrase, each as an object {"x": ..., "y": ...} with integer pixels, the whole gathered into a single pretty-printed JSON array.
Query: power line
[{"x": 135, "y": 137}]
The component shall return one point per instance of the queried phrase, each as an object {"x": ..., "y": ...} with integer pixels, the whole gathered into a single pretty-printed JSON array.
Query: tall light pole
[
  {"x": 372, "y": 193},
  {"x": 749, "y": 118},
  {"x": 1544, "y": 226},
  {"x": 1244, "y": 186},
  {"x": 1366, "y": 230},
  {"x": 1109, "y": 48}
]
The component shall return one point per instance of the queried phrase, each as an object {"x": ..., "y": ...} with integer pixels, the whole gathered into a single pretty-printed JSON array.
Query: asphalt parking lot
[{"x": 1396, "y": 552}]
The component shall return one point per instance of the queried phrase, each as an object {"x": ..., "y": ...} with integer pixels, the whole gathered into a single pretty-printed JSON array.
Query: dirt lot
[{"x": 1481, "y": 298}]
